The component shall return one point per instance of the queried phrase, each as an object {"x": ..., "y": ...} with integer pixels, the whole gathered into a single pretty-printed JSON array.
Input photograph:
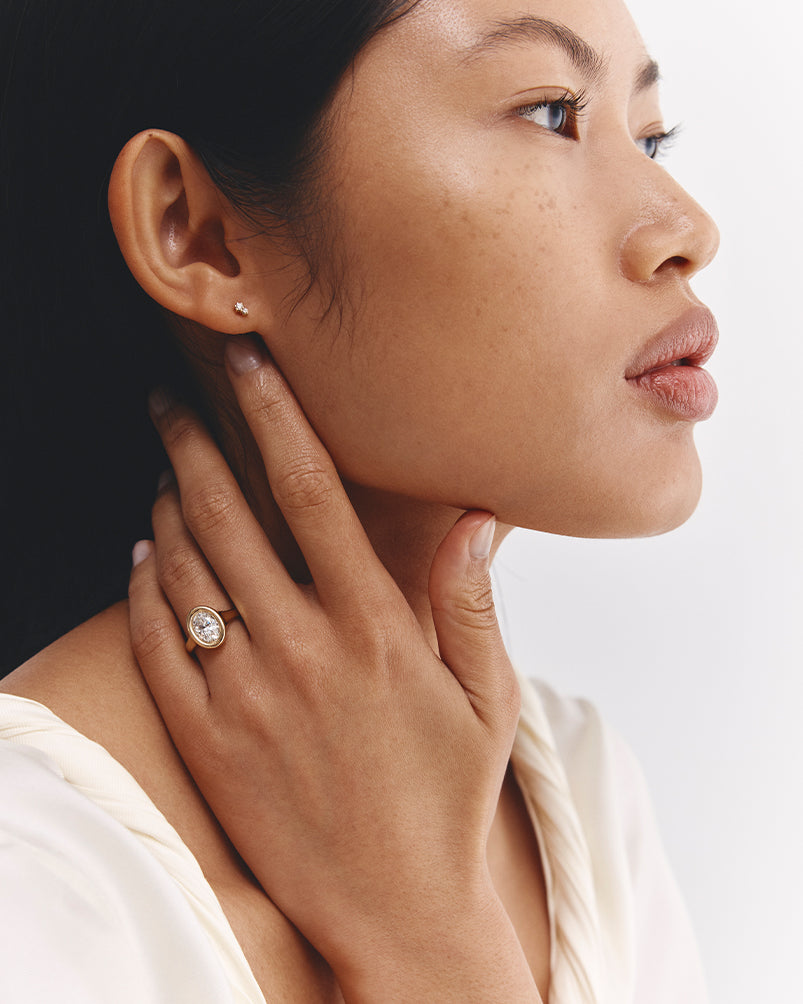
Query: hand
[{"x": 355, "y": 771}]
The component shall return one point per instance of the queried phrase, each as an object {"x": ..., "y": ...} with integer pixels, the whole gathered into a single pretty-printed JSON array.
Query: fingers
[
  {"x": 178, "y": 687},
  {"x": 304, "y": 481},
  {"x": 183, "y": 573},
  {"x": 464, "y": 614},
  {"x": 216, "y": 515}
]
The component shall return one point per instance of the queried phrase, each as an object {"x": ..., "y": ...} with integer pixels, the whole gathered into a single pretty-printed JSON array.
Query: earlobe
[{"x": 176, "y": 232}]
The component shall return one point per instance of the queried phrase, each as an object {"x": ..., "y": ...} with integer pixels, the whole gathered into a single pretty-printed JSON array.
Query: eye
[
  {"x": 657, "y": 145},
  {"x": 552, "y": 116},
  {"x": 559, "y": 115}
]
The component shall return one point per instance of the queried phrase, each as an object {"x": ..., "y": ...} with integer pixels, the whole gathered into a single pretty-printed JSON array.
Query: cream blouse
[{"x": 102, "y": 903}]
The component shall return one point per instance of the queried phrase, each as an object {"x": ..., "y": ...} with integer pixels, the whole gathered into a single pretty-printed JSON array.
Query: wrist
[{"x": 462, "y": 950}]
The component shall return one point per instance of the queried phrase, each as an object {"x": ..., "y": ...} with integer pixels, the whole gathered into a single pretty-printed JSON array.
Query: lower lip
[{"x": 688, "y": 391}]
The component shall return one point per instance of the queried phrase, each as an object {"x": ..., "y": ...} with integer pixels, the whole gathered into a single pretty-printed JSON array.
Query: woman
[{"x": 448, "y": 235}]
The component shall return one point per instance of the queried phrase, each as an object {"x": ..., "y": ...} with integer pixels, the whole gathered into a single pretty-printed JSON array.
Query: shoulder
[
  {"x": 90, "y": 679},
  {"x": 85, "y": 673}
]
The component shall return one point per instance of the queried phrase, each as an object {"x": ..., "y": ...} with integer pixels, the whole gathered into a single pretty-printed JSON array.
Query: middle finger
[{"x": 215, "y": 513}]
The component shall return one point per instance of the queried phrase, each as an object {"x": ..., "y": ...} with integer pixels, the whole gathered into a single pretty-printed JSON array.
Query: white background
[{"x": 690, "y": 644}]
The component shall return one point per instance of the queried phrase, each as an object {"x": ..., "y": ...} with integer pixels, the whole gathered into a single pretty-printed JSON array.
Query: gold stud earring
[{"x": 241, "y": 309}]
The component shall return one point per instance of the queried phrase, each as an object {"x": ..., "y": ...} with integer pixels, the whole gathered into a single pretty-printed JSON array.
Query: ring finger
[{"x": 188, "y": 582}]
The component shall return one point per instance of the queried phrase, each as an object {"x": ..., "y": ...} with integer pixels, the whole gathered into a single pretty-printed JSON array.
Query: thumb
[{"x": 469, "y": 639}]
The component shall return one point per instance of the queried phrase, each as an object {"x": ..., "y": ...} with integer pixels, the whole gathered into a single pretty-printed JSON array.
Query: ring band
[{"x": 207, "y": 627}]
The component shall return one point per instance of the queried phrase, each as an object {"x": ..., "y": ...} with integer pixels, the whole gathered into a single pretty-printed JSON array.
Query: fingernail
[
  {"x": 479, "y": 546},
  {"x": 166, "y": 479},
  {"x": 243, "y": 355},
  {"x": 141, "y": 550},
  {"x": 159, "y": 402}
]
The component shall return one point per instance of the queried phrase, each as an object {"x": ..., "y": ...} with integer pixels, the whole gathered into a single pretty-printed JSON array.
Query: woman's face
[{"x": 508, "y": 263}]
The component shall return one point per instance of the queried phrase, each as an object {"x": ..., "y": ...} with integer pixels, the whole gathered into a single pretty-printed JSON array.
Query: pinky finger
[{"x": 173, "y": 676}]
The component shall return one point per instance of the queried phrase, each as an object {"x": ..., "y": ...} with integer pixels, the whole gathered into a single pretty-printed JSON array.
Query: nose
[{"x": 672, "y": 233}]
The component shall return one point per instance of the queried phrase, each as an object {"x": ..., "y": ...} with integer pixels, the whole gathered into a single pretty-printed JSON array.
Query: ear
[{"x": 181, "y": 238}]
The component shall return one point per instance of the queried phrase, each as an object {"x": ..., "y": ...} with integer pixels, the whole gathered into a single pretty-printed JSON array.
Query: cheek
[
  {"x": 465, "y": 345},
  {"x": 480, "y": 359},
  {"x": 466, "y": 298}
]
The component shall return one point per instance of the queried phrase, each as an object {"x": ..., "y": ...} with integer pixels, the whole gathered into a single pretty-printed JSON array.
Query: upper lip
[{"x": 690, "y": 339}]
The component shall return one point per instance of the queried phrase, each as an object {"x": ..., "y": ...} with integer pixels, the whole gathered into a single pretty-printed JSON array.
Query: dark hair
[{"x": 245, "y": 83}]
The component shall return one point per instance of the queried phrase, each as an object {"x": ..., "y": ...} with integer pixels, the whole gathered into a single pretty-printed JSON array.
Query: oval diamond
[{"x": 206, "y": 627}]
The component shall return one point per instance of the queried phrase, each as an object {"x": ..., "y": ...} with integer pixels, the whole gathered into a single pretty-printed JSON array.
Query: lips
[{"x": 669, "y": 367}]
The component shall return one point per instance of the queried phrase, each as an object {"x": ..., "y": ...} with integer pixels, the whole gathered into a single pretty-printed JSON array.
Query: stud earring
[{"x": 241, "y": 309}]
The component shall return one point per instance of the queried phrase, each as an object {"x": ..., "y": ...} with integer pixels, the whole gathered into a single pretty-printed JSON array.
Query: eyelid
[
  {"x": 575, "y": 104},
  {"x": 546, "y": 95},
  {"x": 664, "y": 138}
]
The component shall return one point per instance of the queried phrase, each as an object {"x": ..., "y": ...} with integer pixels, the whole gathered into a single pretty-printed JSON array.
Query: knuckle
[
  {"x": 178, "y": 566},
  {"x": 388, "y": 631},
  {"x": 472, "y": 606},
  {"x": 264, "y": 407},
  {"x": 304, "y": 485},
  {"x": 295, "y": 650},
  {"x": 377, "y": 607},
  {"x": 253, "y": 708},
  {"x": 209, "y": 509},
  {"x": 151, "y": 636},
  {"x": 179, "y": 430}
]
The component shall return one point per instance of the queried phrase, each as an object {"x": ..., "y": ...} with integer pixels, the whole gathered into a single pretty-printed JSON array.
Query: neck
[{"x": 404, "y": 532}]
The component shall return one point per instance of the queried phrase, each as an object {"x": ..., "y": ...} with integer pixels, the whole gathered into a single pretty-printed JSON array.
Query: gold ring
[{"x": 207, "y": 627}]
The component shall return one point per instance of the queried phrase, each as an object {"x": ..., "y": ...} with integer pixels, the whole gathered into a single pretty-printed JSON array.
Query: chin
[
  {"x": 644, "y": 507},
  {"x": 672, "y": 504},
  {"x": 672, "y": 517}
]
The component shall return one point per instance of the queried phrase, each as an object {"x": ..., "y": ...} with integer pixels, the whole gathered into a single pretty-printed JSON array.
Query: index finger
[{"x": 303, "y": 479}]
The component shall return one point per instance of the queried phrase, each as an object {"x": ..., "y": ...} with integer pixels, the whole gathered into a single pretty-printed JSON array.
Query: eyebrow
[
  {"x": 528, "y": 28},
  {"x": 647, "y": 75},
  {"x": 584, "y": 57}
]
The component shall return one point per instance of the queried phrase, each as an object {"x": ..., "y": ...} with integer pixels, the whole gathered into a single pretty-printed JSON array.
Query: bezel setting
[{"x": 206, "y": 627}]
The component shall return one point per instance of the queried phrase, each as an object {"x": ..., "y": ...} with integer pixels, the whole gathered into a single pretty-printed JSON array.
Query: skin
[
  {"x": 483, "y": 244},
  {"x": 494, "y": 282},
  {"x": 527, "y": 268},
  {"x": 328, "y": 737}
]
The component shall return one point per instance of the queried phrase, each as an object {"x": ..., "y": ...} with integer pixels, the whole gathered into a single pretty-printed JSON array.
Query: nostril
[
  {"x": 675, "y": 265},
  {"x": 676, "y": 262}
]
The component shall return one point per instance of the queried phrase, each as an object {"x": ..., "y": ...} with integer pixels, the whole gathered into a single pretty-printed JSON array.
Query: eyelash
[
  {"x": 575, "y": 104},
  {"x": 663, "y": 141}
]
